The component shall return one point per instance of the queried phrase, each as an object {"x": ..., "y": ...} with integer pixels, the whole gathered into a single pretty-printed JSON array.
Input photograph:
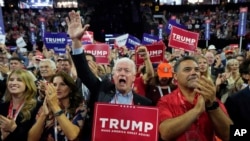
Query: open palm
[{"x": 75, "y": 29}]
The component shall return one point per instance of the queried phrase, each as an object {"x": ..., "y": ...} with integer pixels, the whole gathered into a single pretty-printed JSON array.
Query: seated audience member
[
  {"x": 192, "y": 112},
  {"x": 63, "y": 112},
  {"x": 18, "y": 112}
]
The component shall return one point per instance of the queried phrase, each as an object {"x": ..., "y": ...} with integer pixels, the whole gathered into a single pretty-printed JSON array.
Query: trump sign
[
  {"x": 156, "y": 53},
  {"x": 100, "y": 51},
  {"x": 180, "y": 38},
  {"x": 123, "y": 123}
]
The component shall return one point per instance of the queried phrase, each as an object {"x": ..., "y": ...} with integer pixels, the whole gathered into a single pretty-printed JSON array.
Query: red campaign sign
[
  {"x": 88, "y": 37},
  {"x": 156, "y": 52},
  {"x": 100, "y": 51},
  {"x": 115, "y": 122},
  {"x": 180, "y": 38},
  {"x": 234, "y": 46}
]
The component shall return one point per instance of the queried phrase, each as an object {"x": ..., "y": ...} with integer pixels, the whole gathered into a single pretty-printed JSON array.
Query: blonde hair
[
  {"x": 29, "y": 93},
  {"x": 230, "y": 62},
  {"x": 207, "y": 73}
]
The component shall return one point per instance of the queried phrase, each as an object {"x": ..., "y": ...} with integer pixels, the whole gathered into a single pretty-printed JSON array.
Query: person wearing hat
[
  {"x": 212, "y": 49},
  {"x": 229, "y": 54},
  {"x": 161, "y": 84}
]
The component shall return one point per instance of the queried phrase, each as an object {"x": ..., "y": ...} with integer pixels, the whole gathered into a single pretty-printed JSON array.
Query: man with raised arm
[{"x": 123, "y": 74}]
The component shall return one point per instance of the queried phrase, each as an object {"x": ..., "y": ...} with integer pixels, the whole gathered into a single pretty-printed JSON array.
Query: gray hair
[
  {"x": 125, "y": 59},
  {"x": 51, "y": 63}
]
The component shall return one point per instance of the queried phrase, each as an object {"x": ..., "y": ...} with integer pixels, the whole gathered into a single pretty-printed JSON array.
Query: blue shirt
[
  {"x": 77, "y": 51},
  {"x": 123, "y": 98}
]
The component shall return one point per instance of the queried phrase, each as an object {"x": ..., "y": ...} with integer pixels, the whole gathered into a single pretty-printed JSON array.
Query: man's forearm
[
  {"x": 221, "y": 123},
  {"x": 168, "y": 128},
  {"x": 76, "y": 43},
  {"x": 149, "y": 70}
]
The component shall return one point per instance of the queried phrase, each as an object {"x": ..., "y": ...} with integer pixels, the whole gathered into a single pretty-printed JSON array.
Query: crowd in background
[{"x": 224, "y": 22}]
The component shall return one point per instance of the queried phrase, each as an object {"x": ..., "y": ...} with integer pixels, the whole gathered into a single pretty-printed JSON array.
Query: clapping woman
[
  {"x": 18, "y": 112},
  {"x": 62, "y": 115}
]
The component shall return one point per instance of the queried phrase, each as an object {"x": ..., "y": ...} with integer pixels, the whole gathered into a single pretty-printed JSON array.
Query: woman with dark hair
[
  {"x": 18, "y": 112},
  {"x": 62, "y": 115}
]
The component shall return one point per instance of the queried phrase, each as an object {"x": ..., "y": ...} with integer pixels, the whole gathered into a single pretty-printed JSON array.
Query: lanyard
[
  {"x": 182, "y": 101},
  {"x": 160, "y": 90},
  {"x": 116, "y": 100},
  {"x": 56, "y": 131},
  {"x": 17, "y": 111}
]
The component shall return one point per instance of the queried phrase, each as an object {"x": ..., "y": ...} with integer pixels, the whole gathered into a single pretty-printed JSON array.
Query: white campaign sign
[
  {"x": 121, "y": 40},
  {"x": 20, "y": 42}
]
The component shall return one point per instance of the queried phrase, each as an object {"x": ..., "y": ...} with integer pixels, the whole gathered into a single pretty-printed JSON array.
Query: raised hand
[
  {"x": 46, "y": 109},
  {"x": 51, "y": 97},
  {"x": 4, "y": 69},
  {"x": 207, "y": 89},
  {"x": 143, "y": 52},
  {"x": 200, "y": 105},
  {"x": 41, "y": 86},
  {"x": 75, "y": 29}
]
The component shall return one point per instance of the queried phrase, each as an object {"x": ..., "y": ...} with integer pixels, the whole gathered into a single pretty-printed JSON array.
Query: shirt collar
[{"x": 129, "y": 94}]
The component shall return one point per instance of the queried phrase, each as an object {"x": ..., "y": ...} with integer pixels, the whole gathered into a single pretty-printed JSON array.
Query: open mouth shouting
[{"x": 122, "y": 81}]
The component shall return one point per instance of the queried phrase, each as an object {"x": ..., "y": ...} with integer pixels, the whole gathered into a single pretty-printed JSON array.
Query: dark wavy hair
[{"x": 75, "y": 98}]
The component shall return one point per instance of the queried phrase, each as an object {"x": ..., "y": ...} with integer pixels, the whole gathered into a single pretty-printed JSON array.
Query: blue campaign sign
[
  {"x": 32, "y": 36},
  {"x": 172, "y": 22},
  {"x": 132, "y": 42},
  {"x": 149, "y": 39},
  {"x": 56, "y": 41},
  {"x": 207, "y": 30},
  {"x": 242, "y": 21},
  {"x": 42, "y": 27},
  {"x": 2, "y": 30}
]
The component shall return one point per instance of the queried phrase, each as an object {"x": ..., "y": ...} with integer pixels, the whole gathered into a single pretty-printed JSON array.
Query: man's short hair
[
  {"x": 52, "y": 63},
  {"x": 16, "y": 59},
  {"x": 67, "y": 60},
  {"x": 185, "y": 58},
  {"x": 93, "y": 57},
  {"x": 127, "y": 60},
  {"x": 245, "y": 67}
]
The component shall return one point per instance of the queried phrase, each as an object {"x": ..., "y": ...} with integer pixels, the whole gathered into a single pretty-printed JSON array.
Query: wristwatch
[
  {"x": 58, "y": 113},
  {"x": 214, "y": 106}
]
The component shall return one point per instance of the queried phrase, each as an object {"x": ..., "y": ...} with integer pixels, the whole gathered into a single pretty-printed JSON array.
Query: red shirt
[
  {"x": 174, "y": 105},
  {"x": 139, "y": 86}
]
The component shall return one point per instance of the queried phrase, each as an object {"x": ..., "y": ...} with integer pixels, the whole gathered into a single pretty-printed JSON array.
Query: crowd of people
[
  {"x": 48, "y": 96},
  {"x": 224, "y": 22}
]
